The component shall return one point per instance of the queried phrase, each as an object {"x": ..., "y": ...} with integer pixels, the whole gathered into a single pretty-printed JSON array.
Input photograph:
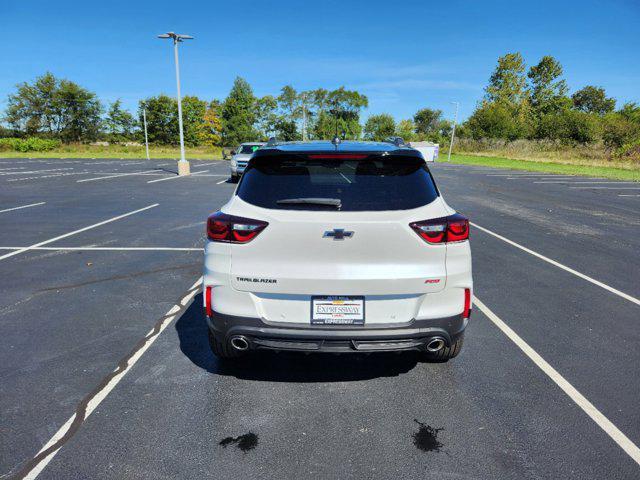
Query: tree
[
  {"x": 193, "y": 112},
  {"x": 379, "y": 127},
  {"x": 266, "y": 116},
  {"x": 238, "y": 114},
  {"x": 427, "y": 120},
  {"x": 56, "y": 108},
  {"x": 592, "y": 99},
  {"x": 119, "y": 124},
  {"x": 338, "y": 111},
  {"x": 570, "y": 126},
  {"x": 406, "y": 129},
  {"x": 211, "y": 126},
  {"x": 495, "y": 120},
  {"x": 631, "y": 112},
  {"x": 286, "y": 130},
  {"x": 162, "y": 119},
  {"x": 548, "y": 90},
  {"x": 507, "y": 83}
]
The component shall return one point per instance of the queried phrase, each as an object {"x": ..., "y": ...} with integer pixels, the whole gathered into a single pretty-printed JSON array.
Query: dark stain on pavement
[
  {"x": 426, "y": 438},
  {"x": 122, "y": 277},
  {"x": 245, "y": 442}
]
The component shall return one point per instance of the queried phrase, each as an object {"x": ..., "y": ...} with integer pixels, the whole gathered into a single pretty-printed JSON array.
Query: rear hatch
[{"x": 338, "y": 225}]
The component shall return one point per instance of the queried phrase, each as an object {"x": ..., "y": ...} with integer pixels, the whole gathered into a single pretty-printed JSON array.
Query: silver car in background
[{"x": 240, "y": 157}]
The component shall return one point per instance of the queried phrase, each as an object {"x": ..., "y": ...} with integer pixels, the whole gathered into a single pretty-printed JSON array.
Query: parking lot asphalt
[{"x": 98, "y": 319}]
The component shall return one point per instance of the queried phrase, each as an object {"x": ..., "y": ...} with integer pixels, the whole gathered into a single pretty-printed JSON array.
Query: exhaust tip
[
  {"x": 239, "y": 343},
  {"x": 435, "y": 344}
]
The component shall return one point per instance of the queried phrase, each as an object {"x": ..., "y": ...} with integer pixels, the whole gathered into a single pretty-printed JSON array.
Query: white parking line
[
  {"x": 173, "y": 177},
  {"x": 569, "y": 182},
  {"x": 628, "y": 195},
  {"x": 221, "y": 181},
  {"x": 603, "y": 422},
  {"x": 60, "y": 237},
  {"x": 559, "y": 265},
  {"x": 36, "y": 171},
  {"x": 91, "y": 401},
  {"x": 607, "y": 188},
  {"x": 53, "y": 175},
  {"x": 527, "y": 175},
  {"x": 111, "y": 249},
  {"x": 22, "y": 206},
  {"x": 114, "y": 176}
]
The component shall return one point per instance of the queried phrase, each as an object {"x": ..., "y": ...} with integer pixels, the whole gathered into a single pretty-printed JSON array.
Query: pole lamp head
[{"x": 177, "y": 37}]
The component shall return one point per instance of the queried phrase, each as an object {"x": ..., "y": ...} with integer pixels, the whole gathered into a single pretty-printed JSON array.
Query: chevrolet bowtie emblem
[{"x": 337, "y": 234}]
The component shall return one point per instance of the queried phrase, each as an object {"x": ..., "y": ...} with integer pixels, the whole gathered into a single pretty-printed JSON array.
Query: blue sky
[{"x": 402, "y": 55}]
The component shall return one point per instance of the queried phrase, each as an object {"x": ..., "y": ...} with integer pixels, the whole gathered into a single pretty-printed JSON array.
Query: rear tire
[
  {"x": 446, "y": 353},
  {"x": 234, "y": 178},
  {"x": 222, "y": 350}
]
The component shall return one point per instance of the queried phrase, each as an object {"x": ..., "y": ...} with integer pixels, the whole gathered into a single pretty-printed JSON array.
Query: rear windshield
[
  {"x": 374, "y": 183},
  {"x": 248, "y": 149}
]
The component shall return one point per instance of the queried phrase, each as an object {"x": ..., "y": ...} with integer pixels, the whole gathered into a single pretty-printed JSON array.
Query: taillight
[
  {"x": 453, "y": 228},
  {"x": 466, "y": 313},
  {"x": 228, "y": 228},
  {"x": 207, "y": 302}
]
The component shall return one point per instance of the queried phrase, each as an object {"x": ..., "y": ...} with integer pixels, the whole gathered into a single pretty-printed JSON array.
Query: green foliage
[
  {"x": 379, "y": 127},
  {"x": 507, "y": 83},
  {"x": 496, "y": 120},
  {"x": 592, "y": 99},
  {"x": 287, "y": 130},
  {"x": 162, "y": 119},
  {"x": 427, "y": 120},
  {"x": 337, "y": 111},
  {"x": 620, "y": 129},
  {"x": 631, "y": 111},
  {"x": 548, "y": 90},
  {"x": 31, "y": 144},
  {"x": 406, "y": 129},
  {"x": 119, "y": 123},
  {"x": 570, "y": 126},
  {"x": 210, "y": 129},
  {"x": 266, "y": 117},
  {"x": 193, "y": 111},
  {"x": 238, "y": 114},
  {"x": 56, "y": 108}
]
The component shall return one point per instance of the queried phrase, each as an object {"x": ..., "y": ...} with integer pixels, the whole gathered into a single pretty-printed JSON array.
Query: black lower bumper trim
[{"x": 414, "y": 335}]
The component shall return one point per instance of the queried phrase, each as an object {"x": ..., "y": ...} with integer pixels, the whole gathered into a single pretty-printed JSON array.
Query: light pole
[
  {"x": 146, "y": 138},
  {"x": 453, "y": 130},
  {"x": 304, "y": 116},
  {"x": 183, "y": 165}
]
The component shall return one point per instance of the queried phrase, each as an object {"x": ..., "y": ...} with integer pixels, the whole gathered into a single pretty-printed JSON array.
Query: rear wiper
[{"x": 330, "y": 202}]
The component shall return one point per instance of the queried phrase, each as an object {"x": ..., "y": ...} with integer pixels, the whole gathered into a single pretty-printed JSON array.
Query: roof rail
[{"x": 397, "y": 141}]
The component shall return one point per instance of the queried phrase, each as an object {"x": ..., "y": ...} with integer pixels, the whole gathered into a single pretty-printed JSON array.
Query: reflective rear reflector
[
  {"x": 207, "y": 301},
  {"x": 466, "y": 313}
]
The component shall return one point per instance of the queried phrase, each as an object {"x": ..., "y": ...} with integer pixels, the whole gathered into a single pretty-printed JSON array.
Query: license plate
[{"x": 337, "y": 310}]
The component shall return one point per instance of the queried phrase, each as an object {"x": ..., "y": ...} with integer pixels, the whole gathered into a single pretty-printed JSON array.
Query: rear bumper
[{"x": 412, "y": 335}]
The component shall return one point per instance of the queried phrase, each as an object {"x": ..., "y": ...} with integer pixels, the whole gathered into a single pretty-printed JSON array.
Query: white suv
[{"x": 337, "y": 247}]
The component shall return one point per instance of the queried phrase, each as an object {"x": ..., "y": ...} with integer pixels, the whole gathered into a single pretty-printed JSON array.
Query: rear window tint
[{"x": 374, "y": 183}]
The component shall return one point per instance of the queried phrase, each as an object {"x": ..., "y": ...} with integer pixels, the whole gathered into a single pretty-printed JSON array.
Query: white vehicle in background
[
  {"x": 337, "y": 247},
  {"x": 240, "y": 157}
]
